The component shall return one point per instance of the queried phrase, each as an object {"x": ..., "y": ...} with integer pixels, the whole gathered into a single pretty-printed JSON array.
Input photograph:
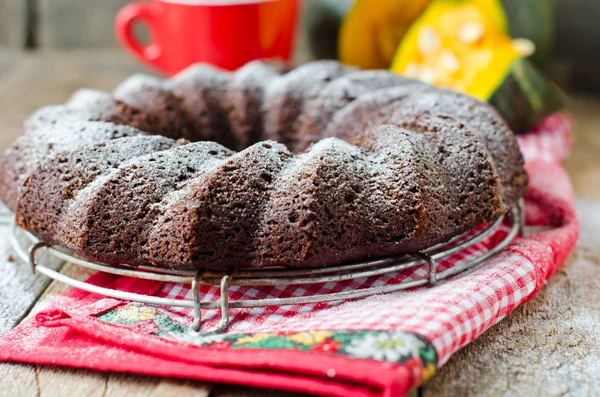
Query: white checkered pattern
[
  {"x": 450, "y": 315},
  {"x": 550, "y": 141}
]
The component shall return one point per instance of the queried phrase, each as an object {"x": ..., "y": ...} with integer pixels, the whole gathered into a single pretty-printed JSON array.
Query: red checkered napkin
[
  {"x": 419, "y": 311},
  {"x": 376, "y": 346},
  {"x": 549, "y": 141}
]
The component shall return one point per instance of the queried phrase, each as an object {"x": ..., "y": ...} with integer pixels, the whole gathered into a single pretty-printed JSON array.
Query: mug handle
[{"x": 147, "y": 13}]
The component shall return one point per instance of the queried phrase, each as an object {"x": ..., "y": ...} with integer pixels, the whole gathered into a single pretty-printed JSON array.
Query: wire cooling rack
[{"x": 27, "y": 246}]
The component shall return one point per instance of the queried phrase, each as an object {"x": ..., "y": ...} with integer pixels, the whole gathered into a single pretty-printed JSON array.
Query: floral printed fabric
[{"x": 404, "y": 348}]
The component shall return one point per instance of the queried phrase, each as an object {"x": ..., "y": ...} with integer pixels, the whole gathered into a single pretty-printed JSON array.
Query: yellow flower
[
  {"x": 137, "y": 313},
  {"x": 428, "y": 372},
  {"x": 252, "y": 339},
  {"x": 391, "y": 343},
  {"x": 310, "y": 337}
]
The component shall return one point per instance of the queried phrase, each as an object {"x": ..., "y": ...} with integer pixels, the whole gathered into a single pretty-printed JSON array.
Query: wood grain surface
[
  {"x": 68, "y": 24},
  {"x": 13, "y": 23},
  {"x": 19, "y": 289},
  {"x": 548, "y": 347}
]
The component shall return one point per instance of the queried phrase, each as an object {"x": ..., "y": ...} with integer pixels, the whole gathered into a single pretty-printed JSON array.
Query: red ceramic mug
[{"x": 225, "y": 33}]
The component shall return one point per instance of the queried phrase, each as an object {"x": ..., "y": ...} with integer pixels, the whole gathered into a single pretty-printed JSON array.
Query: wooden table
[{"x": 548, "y": 346}]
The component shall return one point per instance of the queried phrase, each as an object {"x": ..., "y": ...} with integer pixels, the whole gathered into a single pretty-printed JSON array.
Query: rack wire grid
[{"x": 27, "y": 248}]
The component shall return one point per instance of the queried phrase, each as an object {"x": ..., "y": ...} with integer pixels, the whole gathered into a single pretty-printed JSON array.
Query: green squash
[{"x": 526, "y": 96}]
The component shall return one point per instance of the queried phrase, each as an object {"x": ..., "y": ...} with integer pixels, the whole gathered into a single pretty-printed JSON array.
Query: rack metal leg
[
  {"x": 521, "y": 218},
  {"x": 432, "y": 267},
  {"x": 197, "y": 309},
  {"x": 32, "y": 252}
]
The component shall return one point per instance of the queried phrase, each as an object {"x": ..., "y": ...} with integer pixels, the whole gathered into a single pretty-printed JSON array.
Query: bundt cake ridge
[{"x": 331, "y": 165}]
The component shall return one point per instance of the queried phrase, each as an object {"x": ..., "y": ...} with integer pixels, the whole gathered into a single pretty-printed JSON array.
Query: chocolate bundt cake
[{"x": 211, "y": 169}]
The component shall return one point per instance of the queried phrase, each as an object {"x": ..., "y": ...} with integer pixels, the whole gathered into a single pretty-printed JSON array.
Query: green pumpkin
[{"x": 525, "y": 96}]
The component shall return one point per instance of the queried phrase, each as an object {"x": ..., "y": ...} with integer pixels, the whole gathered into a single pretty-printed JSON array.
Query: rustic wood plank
[
  {"x": 18, "y": 380},
  {"x": 174, "y": 387},
  {"x": 239, "y": 391},
  {"x": 60, "y": 381},
  {"x": 31, "y": 80},
  {"x": 584, "y": 165},
  {"x": 78, "y": 24},
  {"x": 19, "y": 289},
  {"x": 32, "y": 380},
  {"x": 13, "y": 23}
]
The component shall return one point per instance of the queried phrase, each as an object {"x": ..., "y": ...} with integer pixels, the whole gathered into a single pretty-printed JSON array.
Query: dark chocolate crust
[
  {"x": 244, "y": 99},
  {"x": 48, "y": 193},
  {"x": 339, "y": 93},
  {"x": 286, "y": 97},
  {"x": 357, "y": 164}
]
